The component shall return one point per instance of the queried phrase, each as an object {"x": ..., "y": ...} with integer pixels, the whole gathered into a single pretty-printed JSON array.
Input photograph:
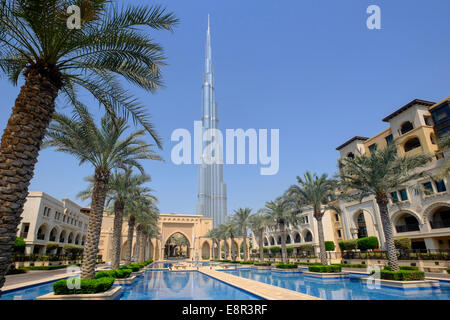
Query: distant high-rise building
[{"x": 212, "y": 193}]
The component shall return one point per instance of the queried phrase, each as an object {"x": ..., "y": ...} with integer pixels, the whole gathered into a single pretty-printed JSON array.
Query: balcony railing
[
  {"x": 440, "y": 224},
  {"x": 407, "y": 228}
]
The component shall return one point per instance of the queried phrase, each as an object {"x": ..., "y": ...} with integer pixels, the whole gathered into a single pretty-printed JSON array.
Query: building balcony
[
  {"x": 407, "y": 228},
  {"x": 440, "y": 224}
]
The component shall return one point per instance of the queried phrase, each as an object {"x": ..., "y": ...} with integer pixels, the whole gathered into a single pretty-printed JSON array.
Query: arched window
[
  {"x": 41, "y": 233},
  {"x": 297, "y": 238},
  {"x": 272, "y": 241},
  {"x": 279, "y": 240},
  {"x": 406, "y": 126},
  {"x": 412, "y": 144},
  {"x": 288, "y": 239},
  {"x": 441, "y": 218},
  {"x": 53, "y": 234},
  {"x": 362, "y": 229},
  {"x": 70, "y": 238},
  {"x": 62, "y": 236},
  {"x": 308, "y": 236},
  {"x": 266, "y": 242}
]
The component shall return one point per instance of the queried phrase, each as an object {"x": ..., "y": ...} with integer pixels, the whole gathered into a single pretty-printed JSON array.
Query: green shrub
[
  {"x": 306, "y": 247},
  {"x": 246, "y": 262},
  {"x": 120, "y": 274},
  {"x": 275, "y": 249},
  {"x": 289, "y": 249},
  {"x": 72, "y": 249},
  {"x": 286, "y": 266},
  {"x": 448, "y": 270},
  {"x": 329, "y": 246},
  {"x": 133, "y": 267},
  {"x": 262, "y": 264},
  {"x": 54, "y": 267},
  {"x": 402, "y": 275},
  {"x": 324, "y": 269},
  {"x": 12, "y": 270},
  {"x": 348, "y": 244},
  {"x": 86, "y": 286},
  {"x": 147, "y": 262},
  {"x": 368, "y": 243},
  {"x": 402, "y": 268},
  {"x": 354, "y": 265},
  {"x": 233, "y": 261},
  {"x": 19, "y": 245},
  {"x": 265, "y": 250},
  {"x": 402, "y": 243},
  {"x": 51, "y": 246}
]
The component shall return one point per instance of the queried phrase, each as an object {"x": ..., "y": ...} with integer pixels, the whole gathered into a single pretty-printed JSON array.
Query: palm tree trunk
[
  {"x": 213, "y": 253},
  {"x": 323, "y": 253},
  {"x": 137, "y": 248},
  {"x": 142, "y": 248},
  {"x": 261, "y": 243},
  {"x": 131, "y": 223},
  {"x": 283, "y": 243},
  {"x": 117, "y": 234},
  {"x": 20, "y": 145},
  {"x": 244, "y": 232},
  {"x": 90, "y": 252},
  {"x": 387, "y": 230},
  {"x": 231, "y": 249}
]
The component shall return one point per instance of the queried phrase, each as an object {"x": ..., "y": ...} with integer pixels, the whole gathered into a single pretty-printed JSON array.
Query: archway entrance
[{"x": 177, "y": 247}]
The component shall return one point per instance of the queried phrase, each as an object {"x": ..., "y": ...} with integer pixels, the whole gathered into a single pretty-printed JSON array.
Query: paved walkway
[
  {"x": 263, "y": 290},
  {"x": 33, "y": 277}
]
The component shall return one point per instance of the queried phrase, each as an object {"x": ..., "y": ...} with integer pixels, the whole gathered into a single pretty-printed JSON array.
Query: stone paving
[{"x": 263, "y": 290}]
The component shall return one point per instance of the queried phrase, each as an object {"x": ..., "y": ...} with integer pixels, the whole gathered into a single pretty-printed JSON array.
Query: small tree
[
  {"x": 402, "y": 243},
  {"x": 368, "y": 243},
  {"x": 329, "y": 245},
  {"x": 348, "y": 244},
  {"x": 19, "y": 245}
]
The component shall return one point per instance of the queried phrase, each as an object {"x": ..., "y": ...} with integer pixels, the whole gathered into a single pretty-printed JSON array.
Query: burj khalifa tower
[{"x": 212, "y": 193}]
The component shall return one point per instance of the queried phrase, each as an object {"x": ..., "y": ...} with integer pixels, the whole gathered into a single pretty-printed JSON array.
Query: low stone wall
[{"x": 111, "y": 294}]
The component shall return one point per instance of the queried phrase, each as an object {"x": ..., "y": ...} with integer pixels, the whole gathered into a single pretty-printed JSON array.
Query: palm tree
[
  {"x": 240, "y": 217},
  {"x": 376, "y": 174},
  {"x": 317, "y": 192},
  {"x": 141, "y": 208},
  {"x": 123, "y": 188},
  {"x": 257, "y": 223},
  {"x": 214, "y": 235},
  {"x": 54, "y": 59},
  {"x": 231, "y": 230},
  {"x": 149, "y": 231},
  {"x": 105, "y": 149},
  {"x": 279, "y": 214}
]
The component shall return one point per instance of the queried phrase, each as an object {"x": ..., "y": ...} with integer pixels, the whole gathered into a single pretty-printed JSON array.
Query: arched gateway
[{"x": 186, "y": 230}]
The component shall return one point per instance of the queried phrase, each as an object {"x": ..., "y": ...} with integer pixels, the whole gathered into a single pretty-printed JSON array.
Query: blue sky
[{"x": 311, "y": 69}]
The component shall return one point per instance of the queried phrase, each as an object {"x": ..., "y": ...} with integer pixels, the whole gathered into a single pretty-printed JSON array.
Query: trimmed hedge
[
  {"x": 86, "y": 286},
  {"x": 402, "y": 275},
  {"x": 265, "y": 250},
  {"x": 13, "y": 270},
  {"x": 448, "y": 270},
  {"x": 262, "y": 264},
  {"x": 246, "y": 262},
  {"x": 353, "y": 265},
  {"x": 54, "y": 267},
  {"x": 402, "y": 268},
  {"x": 306, "y": 247},
  {"x": 119, "y": 274},
  {"x": 368, "y": 243},
  {"x": 51, "y": 246},
  {"x": 324, "y": 269},
  {"x": 348, "y": 244},
  {"x": 275, "y": 249},
  {"x": 286, "y": 266},
  {"x": 329, "y": 246},
  {"x": 402, "y": 243},
  {"x": 289, "y": 249}
]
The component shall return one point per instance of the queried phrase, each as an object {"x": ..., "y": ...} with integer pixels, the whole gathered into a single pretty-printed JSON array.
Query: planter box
[
  {"x": 404, "y": 284},
  {"x": 129, "y": 280},
  {"x": 363, "y": 270},
  {"x": 326, "y": 275},
  {"x": 111, "y": 294}
]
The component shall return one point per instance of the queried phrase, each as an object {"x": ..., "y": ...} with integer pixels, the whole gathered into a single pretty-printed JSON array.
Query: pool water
[
  {"x": 182, "y": 285},
  {"x": 340, "y": 289},
  {"x": 157, "y": 285}
]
